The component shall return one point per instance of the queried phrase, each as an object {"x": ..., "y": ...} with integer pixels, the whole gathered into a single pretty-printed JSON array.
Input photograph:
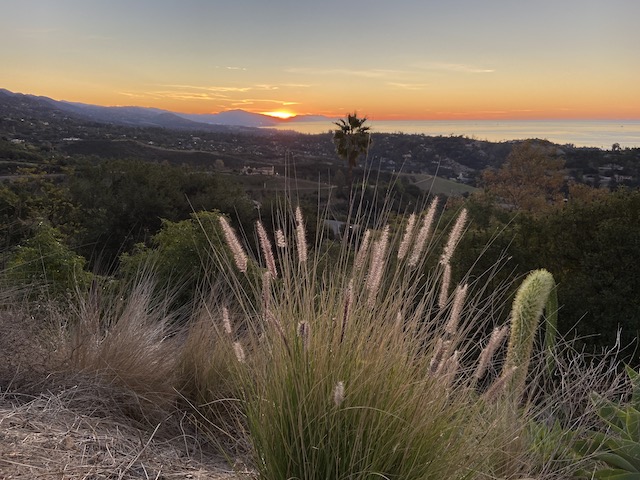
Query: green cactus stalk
[{"x": 526, "y": 311}]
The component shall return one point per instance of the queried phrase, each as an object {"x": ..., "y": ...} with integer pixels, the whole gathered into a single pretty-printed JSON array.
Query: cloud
[
  {"x": 367, "y": 73},
  {"x": 408, "y": 86},
  {"x": 451, "y": 67},
  {"x": 247, "y": 101},
  {"x": 266, "y": 87},
  {"x": 217, "y": 88},
  {"x": 209, "y": 88},
  {"x": 220, "y": 94}
]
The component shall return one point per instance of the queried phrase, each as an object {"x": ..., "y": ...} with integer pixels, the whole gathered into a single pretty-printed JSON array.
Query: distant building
[{"x": 259, "y": 170}]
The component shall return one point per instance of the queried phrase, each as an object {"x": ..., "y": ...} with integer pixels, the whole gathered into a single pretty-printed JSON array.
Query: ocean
[{"x": 581, "y": 133}]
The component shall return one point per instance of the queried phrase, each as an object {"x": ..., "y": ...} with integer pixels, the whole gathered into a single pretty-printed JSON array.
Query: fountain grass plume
[
  {"x": 408, "y": 236},
  {"x": 301, "y": 237},
  {"x": 424, "y": 233},
  {"x": 239, "y": 255},
  {"x": 454, "y": 237},
  {"x": 378, "y": 261},
  {"x": 267, "y": 252},
  {"x": 443, "y": 298}
]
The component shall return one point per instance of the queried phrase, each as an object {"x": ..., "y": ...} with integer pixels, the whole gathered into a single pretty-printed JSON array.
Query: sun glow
[{"x": 280, "y": 114}]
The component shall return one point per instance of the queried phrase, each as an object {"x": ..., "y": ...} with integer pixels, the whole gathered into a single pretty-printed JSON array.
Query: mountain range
[{"x": 143, "y": 116}]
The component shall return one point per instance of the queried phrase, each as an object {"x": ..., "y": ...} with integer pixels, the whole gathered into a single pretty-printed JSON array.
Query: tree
[
  {"x": 531, "y": 178},
  {"x": 352, "y": 139}
]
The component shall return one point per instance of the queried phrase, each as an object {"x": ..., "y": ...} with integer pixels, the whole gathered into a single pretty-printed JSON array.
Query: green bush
[{"x": 45, "y": 261}]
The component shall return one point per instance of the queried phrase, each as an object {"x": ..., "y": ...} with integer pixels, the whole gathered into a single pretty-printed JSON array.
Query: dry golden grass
[
  {"x": 74, "y": 403},
  {"x": 64, "y": 435}
]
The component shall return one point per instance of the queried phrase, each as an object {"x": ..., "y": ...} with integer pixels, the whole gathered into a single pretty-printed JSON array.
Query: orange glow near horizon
[
  {"x": 379, "y": 106},
  {"x": 279, "y": 114}
]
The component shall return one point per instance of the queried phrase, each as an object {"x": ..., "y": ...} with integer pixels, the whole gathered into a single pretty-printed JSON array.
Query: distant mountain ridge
[{"x": 147, "y": 117}]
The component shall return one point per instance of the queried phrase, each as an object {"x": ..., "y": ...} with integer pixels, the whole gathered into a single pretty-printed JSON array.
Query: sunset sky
[{"x": 402, "y": 59}]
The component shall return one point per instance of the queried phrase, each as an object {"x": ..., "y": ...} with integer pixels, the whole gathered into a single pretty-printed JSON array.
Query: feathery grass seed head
[
  {"x": 456, "y": 309},
  {"x": 338, "y": 394},
  {"x": 301, "y": 236},
  {"x": 378, "y": 261},
  {"x": 281, "y": 241},
  {"x": 423, "y": 233},
  {"x": 408, "y": 235},
  {"x": 444, "y": 286},
  {"x": 265, "y": 246},
  {"x": 239, "y": 255},
  {"x": 454, "y": 237},
  {"x": 226, "y": 321},
  {"x": 497, "y": 337},
  {"x": 363, "y": 251},
  {"x": 239, "y": 351}
]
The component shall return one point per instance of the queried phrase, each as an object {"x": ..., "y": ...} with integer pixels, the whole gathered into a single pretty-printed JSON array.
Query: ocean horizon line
[{"x": 594, "y": 133}]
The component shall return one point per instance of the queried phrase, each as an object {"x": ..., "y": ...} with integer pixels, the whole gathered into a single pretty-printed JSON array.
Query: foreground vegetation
[
  {"x": 157, "y": 305},
  {"x": 315, "y": 359}
]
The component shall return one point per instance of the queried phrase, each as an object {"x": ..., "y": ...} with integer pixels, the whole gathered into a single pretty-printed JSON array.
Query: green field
[{"x": 438, "y": 185}]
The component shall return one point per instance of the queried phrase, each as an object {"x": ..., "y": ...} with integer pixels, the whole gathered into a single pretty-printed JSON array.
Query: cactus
[{"x": 528, "y": 305}]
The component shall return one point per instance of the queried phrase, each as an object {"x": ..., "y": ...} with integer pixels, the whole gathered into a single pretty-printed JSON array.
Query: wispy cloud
[
  {"x": 252, "y": 101},
  {"x": 208, "y": 88},
  {"x": 175, "y": 95},
  {"x": 366, "y": 73},
  {"x": 225, "y": 95},
  {"x": 408, "y": 86},
  {"x": 218, "y": 88},
  {"x": 265, "y": 87},
  {"x": 452, "y": 67}
]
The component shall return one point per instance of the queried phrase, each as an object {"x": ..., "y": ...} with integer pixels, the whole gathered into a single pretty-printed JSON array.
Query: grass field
[{"x": 438, "y": 185}]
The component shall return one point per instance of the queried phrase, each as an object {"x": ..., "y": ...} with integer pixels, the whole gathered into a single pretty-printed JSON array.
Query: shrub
[{"x": 45, "y": 261}]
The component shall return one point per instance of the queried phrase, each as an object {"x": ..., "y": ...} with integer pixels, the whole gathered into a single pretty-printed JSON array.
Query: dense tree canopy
[
  {"x": 531, "y": 178},
  {"x": 590, "y": 246}
]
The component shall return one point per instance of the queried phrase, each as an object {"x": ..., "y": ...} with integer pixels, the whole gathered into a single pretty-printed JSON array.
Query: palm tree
[{"x": 352, "y": 139}]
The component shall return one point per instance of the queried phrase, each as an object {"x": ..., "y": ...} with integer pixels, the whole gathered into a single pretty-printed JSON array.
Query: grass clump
[{"x": 364, "y": 369}]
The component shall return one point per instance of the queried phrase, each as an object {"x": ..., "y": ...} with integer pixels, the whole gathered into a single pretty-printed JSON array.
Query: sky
[{"x": 385, "y": 59}]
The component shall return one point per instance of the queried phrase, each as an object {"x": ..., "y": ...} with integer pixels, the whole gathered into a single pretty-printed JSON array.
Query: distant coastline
[{"x": 581, "y": 133}]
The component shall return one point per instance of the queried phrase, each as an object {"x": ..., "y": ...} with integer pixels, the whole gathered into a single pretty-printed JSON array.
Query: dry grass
[
  {"x": 74, "y": 403},
  {"x": 58, "y": 436}
]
